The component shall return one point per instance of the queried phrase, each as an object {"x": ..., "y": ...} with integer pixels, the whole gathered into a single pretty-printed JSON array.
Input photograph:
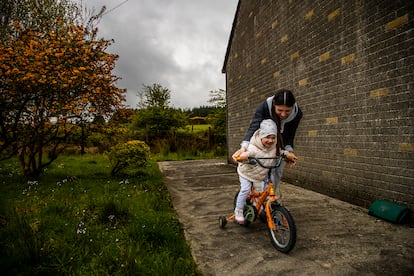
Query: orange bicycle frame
[{"x": 268, "y": 194}]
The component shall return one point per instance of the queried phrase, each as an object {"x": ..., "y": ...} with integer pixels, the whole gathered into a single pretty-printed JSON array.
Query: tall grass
[
  {"x": 78, "y": 220},
  {"x": 187, "y": 144}
]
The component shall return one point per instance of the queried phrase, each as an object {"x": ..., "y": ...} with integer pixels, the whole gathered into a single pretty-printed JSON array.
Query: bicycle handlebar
[
  {"x": 256, "y": 160},
  {"x": 253, "y": 160}
]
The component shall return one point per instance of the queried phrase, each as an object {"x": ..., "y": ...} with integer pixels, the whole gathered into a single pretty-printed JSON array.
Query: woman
[{"x": 283, "y": 109}]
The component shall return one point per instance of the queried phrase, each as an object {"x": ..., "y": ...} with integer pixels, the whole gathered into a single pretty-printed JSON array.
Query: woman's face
[{"x": 283, "y": 111}]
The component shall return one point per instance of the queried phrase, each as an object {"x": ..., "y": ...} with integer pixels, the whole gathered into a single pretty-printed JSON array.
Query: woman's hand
[{"x": 292, "y": 159}]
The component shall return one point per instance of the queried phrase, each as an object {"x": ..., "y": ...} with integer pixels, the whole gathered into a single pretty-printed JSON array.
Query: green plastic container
[{"x": 389, "y": 211}]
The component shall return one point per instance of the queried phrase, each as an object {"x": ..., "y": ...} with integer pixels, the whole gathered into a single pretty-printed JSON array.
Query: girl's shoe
[{"x": 238, "y": 215}]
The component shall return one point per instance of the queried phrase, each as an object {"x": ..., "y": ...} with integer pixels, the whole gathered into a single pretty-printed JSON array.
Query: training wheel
[{"x": 222, "y": 221}]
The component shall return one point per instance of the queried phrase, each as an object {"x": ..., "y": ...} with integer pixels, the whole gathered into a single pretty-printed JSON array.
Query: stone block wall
[{"x": 351, "y": 67}]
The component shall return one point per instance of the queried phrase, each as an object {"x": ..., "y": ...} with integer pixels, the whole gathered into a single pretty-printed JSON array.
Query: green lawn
[
  {"x": 197, "y": 128},
  {"x": 78, "y": 220}
]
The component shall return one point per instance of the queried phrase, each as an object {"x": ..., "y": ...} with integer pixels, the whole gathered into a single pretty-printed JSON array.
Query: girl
[{"x": 262, "y": 144}]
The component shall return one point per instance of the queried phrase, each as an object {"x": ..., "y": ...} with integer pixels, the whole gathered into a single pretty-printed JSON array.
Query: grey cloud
[{"x": 179, "y": 44}]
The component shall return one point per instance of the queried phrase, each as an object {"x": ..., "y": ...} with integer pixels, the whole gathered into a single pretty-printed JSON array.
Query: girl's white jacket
[{"x": 254, "y": 172}]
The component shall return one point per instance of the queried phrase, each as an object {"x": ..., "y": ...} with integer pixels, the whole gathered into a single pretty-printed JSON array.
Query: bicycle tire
[
  {"x": 283, "y": 238},
  {"x": 222, "y": 221}
]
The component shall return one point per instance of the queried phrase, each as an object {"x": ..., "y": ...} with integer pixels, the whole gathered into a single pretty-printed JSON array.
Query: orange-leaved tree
[{"x": 52, "y": 79}]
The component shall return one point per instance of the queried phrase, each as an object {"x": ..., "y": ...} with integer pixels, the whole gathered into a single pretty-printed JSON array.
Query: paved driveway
[{"x": 333, "y": 237}]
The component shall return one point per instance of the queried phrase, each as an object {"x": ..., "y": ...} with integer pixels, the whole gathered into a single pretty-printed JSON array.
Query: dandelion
[
  {"x": 125, "y": 181},
  {"x": 32, "y": 184},
  {"x": 81, "y": 228}
]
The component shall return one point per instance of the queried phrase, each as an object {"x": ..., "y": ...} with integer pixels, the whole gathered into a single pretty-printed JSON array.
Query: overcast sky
[{"x": 179, "y": 44}]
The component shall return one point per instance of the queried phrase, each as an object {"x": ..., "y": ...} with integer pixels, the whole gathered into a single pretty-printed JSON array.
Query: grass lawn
[
  {"x": 78, "y": 220},
  {"x": 197, "y": 128}
]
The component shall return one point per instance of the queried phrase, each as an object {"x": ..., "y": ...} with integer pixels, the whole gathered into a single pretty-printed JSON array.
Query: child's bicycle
[{"x": 268, "y": 206}]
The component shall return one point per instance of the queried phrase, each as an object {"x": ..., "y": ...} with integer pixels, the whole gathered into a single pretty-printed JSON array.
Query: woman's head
[
  {"x": 284, "y": 97},
  {"x": 283, "y": 102}
]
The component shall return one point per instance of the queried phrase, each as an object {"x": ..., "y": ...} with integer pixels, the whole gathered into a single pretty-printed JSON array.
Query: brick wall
[{"x": 351, "y": 67}]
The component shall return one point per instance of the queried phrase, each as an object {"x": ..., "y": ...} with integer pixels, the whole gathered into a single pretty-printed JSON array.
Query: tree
[
  {"x": 155, "y": 116},
  {"x": 218, "y": 98},
  {"x": 54, "y": 76},
  {"x": 34, "y": 14},
  {"x": 202, "y": 111},
  {"x": 218, "y": 117},
  {"x": 154, "y": 96}
]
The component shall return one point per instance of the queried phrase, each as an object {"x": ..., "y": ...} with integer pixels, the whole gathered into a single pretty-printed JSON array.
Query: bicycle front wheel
[{"x": 283, "y": 237}]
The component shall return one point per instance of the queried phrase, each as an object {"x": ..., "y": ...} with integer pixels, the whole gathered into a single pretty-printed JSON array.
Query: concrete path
[{"x": 333, "y": 237}]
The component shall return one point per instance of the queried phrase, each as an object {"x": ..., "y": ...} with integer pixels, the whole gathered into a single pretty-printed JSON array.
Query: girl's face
[
  {"x": 283, "y": 111},
  {"x": 269, "y": 140}
]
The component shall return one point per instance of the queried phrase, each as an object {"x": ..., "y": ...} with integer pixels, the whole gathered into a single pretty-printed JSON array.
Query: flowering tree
[{"x": 53, "y": 76}]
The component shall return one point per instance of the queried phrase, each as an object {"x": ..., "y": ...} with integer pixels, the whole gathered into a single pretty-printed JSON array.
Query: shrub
[{"x": 130, "y": 155}]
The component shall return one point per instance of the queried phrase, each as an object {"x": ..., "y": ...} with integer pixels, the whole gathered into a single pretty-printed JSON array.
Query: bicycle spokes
[{"x": 283, "y": 234}]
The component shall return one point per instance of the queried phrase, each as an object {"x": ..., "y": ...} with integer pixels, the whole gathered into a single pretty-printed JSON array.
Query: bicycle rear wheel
[{"x": 283, "y": 237}]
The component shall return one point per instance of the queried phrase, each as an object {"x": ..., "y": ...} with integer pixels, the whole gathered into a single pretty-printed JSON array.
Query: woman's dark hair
[{"x": 284, "y": 97}]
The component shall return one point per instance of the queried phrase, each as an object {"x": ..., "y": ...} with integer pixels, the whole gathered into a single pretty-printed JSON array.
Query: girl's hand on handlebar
[
  {"x": 236, "y": 155},
  {"x": 244, "y": 156}
]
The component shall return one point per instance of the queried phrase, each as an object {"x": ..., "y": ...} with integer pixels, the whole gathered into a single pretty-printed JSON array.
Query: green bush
[{"x": 133, "y": 155}]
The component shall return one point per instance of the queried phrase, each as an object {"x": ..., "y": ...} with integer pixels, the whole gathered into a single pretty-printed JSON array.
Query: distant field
[{"x": 197, "y": 128}]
